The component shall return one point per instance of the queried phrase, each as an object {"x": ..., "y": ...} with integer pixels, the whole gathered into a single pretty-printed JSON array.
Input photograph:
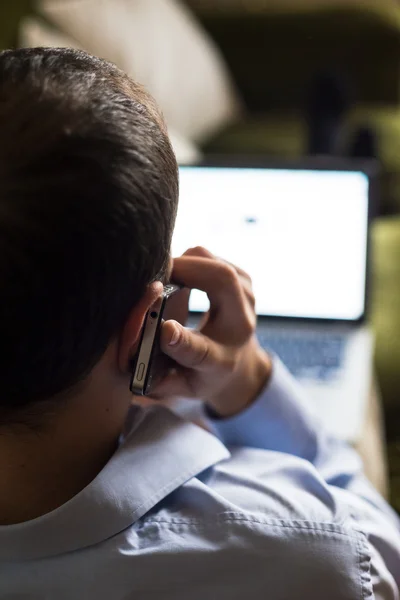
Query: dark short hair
[{"x": 88, "y": 198}]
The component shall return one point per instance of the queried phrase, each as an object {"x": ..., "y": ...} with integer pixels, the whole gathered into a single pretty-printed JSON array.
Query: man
[{"x": 105, "y": 500}]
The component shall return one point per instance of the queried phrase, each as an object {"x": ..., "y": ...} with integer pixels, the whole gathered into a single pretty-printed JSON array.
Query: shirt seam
[
  {"x": 360, "y": 582},
  {"x": 304, "y": 525},
  {"x": 364, "y": 564}
]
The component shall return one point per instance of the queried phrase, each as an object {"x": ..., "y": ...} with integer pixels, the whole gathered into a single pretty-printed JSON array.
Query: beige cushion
[
  {"x": 34, "y": 32},
  {"x": 185, "y": 151},
  {"x": 161, "y": 45}
]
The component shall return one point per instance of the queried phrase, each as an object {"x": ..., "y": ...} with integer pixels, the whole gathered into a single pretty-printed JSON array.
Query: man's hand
[{"x": 222, "y": 362}]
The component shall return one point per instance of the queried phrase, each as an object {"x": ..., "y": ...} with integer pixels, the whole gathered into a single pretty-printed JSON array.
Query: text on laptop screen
[{"x": 300, "y": 234}]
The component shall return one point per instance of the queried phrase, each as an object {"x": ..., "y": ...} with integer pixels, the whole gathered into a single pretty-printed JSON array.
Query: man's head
[{"x": 88, "y": 197}]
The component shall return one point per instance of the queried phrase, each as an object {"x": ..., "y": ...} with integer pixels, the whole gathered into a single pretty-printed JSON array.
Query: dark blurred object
[
  {"x": 394, "y": 470},
  {"x": 264, "y": 41},
  {"x": 364, "y": 144},
  {"x": 277, "y": 49},
  {"x": 326, "y": 107}
]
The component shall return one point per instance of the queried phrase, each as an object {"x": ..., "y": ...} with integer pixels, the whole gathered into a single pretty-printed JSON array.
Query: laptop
[{"x": 302, "y": 234}]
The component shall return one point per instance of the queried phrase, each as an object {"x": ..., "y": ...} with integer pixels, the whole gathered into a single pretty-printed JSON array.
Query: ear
[{"x": 130, "y": 335}]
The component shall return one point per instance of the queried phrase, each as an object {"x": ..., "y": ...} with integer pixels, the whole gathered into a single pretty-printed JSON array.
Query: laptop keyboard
[{"x": 312, "y": 355}]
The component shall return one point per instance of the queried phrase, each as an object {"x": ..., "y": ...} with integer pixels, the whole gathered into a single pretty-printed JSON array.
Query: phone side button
[{"x": 140, "y": 372}]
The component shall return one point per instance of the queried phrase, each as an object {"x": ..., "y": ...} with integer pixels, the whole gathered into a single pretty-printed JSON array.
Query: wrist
[{"x": 246, "y": 385}]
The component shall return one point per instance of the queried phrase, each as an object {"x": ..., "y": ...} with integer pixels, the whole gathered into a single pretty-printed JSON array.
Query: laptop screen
[{"x": 300, "y": 234}]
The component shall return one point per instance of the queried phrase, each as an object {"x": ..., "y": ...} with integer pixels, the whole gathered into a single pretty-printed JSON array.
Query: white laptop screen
[{"x": 300, "y": 234}]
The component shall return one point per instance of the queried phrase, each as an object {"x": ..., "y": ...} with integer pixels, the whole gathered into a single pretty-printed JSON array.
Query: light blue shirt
[{"x": 273, "y": 509}]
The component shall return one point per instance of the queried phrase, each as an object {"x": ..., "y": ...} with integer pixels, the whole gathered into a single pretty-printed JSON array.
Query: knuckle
[
  {"x": 196, "y": 348},
  {"x": 249, "y": 325},
  {"x": 201, "y": 251},
  {"x": 228, "y": 274},
  {"x": 201, "y": 354},
  {"x": 228, "y": 363},
  {"x": 252, "y": 299},
  {"x": 247, "y": 276},
  {"x": 184, "y": 340}
]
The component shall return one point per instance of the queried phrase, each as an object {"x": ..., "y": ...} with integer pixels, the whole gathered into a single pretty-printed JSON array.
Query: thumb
[{"x": 188, "y": 348}]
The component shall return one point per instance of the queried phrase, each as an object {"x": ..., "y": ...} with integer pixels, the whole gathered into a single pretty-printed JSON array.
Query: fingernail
[{"x": 175, "y": 337}]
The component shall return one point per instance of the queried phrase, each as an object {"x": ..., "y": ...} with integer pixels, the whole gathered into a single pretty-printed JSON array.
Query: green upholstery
[
  {"x": 283, "y": 135},
  {"x": 385, "y": 317},
  {"x": 386, "y": 308},
  {"x": 11, "y": 12},
  {"x": 263, "y": 41},
  {"x": 385, "y": 121},
  {"x": 274, "y": 48},
  {"x": 385, "y": 10},
  {"x": 275, "y": 134}
]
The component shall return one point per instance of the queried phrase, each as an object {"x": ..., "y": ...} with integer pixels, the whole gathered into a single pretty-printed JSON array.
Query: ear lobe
[{"x": 130, "y": 335}]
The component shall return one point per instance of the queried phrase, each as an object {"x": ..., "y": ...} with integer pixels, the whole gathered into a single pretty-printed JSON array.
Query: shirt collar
[{"x": 159, "y": 453}]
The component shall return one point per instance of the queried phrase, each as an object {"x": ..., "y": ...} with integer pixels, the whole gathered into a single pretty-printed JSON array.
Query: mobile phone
[{"x": 150, "y": 365}]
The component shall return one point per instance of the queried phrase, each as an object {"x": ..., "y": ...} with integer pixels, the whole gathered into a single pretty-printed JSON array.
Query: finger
[
  {"x": 240, "y": 271},
  {"x": 248, "y": 290},
  {"x": 219, "y": 280},
  {"x": 198, "y": 251},
  {"x": 174, "y": 385},
  {"x": 246, "y": 283},
  {"x": 246, "y": 279},
  {"x": 204, "y": 253},
  {"x": 190, "y": 349},
  {"x": 244, "y": 276}
]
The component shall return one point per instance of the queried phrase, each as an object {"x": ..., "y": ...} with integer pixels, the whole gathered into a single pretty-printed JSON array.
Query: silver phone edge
[{"x": 146, "y": 346}]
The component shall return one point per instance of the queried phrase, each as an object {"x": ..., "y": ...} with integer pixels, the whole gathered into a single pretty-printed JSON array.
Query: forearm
[{"x": 280, "y": 421}]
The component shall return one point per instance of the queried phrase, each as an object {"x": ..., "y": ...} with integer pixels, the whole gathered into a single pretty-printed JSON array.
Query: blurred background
[{"x": 274, "y": 78}]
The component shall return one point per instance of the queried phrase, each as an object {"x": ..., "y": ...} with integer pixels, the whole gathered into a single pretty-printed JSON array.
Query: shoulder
[
  {"x": 275, "y": 520},
  {"x": 275, "y": 484},
  {"x": 254, "y": 553}
]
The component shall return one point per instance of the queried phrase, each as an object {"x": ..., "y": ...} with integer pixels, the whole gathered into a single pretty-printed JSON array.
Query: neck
[
  {"x": 41, "y": 470},
  {"x": 39, "y": 478}
]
